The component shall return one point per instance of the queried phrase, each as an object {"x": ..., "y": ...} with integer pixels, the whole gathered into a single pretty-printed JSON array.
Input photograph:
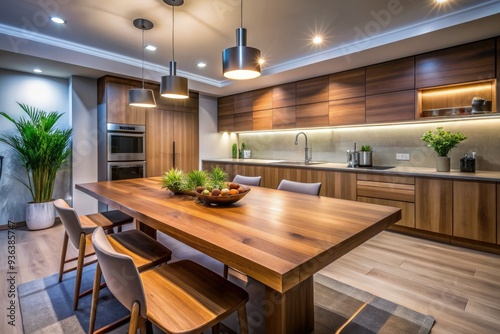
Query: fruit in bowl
[{"x": 231, "y": 193}]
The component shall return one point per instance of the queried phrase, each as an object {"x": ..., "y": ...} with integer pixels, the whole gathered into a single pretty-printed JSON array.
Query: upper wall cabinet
[
  {"x": 346, "y": 85},
  {"x": 392, "y": 76},
  {"x": 113, "y": 98},
  {"x": 465, "y": 63},
  {"x": 243, "y": 102},
  {"x": 390, "y": 107},
  {"x": 313, "y": 90},
  {"x": 262, "y": 99},
  {"x": 225, "y": 116},
  {"x": 285, "y": 95}
]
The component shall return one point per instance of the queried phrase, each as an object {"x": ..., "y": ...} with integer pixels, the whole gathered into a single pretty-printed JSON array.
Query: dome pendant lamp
[
  {"x": 141, "y": 97},
  {"x": 241, "y": 62},
  {"x": 172, "y": 86}
]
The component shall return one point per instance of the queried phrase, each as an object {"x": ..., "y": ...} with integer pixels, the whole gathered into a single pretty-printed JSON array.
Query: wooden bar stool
[{"x": 180, "y": 297}]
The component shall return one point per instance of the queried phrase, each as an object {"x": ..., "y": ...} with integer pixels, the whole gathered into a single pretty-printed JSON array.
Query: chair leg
[
  {"x": 79, "y": 270},
  {"x": 95, "y": 298},
  {"x": 226, "y": 270},
  {"x": 242, "y": 317},
  {"x": 135, "y": 319},
  {"x": 63, "y": 256}
]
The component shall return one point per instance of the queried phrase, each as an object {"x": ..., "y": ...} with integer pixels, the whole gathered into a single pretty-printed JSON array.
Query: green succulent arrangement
[
  {"x": 179, "y": 182},
  {"x": 217, "y": 178},
  {"x": 442, "y": 141},
  {"x": 196, "y": 178},
  {"x": 174, "y": 180},
  {"x": 366, "y": 148}
]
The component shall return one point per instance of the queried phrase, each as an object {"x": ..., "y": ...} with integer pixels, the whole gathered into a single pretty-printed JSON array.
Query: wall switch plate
[{"x": 403, "y": 156}]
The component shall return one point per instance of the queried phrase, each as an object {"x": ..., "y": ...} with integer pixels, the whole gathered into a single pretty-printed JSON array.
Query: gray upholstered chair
[
  {"x": 300, "y": 187},
  {"x": 247, "y": 180},
  {"x": 145, "y": 250},
  {"x": 180, "y": 297}
]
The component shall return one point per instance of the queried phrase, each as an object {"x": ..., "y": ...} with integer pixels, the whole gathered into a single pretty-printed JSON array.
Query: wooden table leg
[
  {"x": 146, "y": 229},
  {"x": 292, "y": 311}
]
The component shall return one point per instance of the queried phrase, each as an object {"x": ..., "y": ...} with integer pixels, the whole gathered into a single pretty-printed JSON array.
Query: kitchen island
[{"x": 278, "y": 238}]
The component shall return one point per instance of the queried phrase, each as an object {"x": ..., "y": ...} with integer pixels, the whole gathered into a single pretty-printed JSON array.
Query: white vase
[
  {"x": 442, "y": 164},
  {"x": 40, "y": 215}
]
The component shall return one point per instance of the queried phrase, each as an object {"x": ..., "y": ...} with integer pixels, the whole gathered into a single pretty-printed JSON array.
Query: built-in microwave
[{"x": 126, "y": 142}]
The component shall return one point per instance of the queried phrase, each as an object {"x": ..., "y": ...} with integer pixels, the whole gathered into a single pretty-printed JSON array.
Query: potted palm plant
[
  {"x": 42, "y": 149},
  {"x": 442, "y": 142}
]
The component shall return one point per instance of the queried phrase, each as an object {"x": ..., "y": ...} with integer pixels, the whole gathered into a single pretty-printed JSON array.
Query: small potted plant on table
[{"x": 442, "y": 142}]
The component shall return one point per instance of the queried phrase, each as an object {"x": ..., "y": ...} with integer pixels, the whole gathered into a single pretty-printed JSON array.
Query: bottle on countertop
[{"x": 468, "y": 164}]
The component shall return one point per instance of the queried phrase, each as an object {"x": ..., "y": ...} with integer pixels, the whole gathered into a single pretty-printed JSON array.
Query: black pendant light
[
  {"x": 173, "y": 86},
  {"x": 141, "y": 97},
  {"x": 241, "y": 62}
]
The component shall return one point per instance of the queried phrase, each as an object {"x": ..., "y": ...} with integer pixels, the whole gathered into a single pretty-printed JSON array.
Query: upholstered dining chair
[
  {"x": 300, "y": 187},
  {"x": 179, "y": 297},
  {"x": 247, "y": 180},
  {"x": 146, "y": 251}
]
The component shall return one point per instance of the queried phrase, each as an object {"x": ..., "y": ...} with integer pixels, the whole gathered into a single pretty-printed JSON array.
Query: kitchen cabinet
[
  {"x": 284, "y": 118},
  {"x": 113, "y": 99},
  {"x": 498, "y": 213},
  {"x": 262, "y": 99},
  {"x": 243, "y": 121},
  {"x": 262, "y": 120},
  {"x": 392, "y": 190},
  {"x": 243, "y": 103},
  {"x": 164, "y": 128},
  {"x": 313, "y": 90},
  {"x": 347, "y": 84},
  {"x": 434, "y": 205},
  {"x": 347, "y": 111},
  {"x": 392, "y": 76},
  {"x": 284, "y": 95},
  {"x": 312, "y": 115},
  {"x": 390, "y": 107},
  {"x": 225, "y": 110},
  {"x": 474, "y": 210},
  {"x": 464, "y": 63}
]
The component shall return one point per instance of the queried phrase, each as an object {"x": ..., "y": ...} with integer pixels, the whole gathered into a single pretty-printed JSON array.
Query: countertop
[{"x": 397, "y": 170}]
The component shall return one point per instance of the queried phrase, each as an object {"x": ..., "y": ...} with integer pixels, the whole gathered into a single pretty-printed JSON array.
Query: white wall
[
  {"x": 46, "y": 93},
  {"x": 83, "y": 103},
  {"x": 213, "y": 145}
]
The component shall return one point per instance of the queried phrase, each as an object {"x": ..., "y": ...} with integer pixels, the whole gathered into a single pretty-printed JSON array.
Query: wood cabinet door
[
  {"x": 262, "y": 99},
  {"x": 243, "y": 102},
  {"x": 474, "y": 210},
  {"x": 159, "y": 139},
  {"x": 284, "y": 118},
  {"x": 340, "y": 185},
  {"x": 498, "y": 213},
  {"x": 407, "y": 209},
  {"x": 391, "y": 76},
  {"x": 434, "y": 205},
  {"x": 262, "y": 120},
  {"x": 347, "y": 111},
  {"x": 312, "y": 115},
  {"x": 390, "y": 107},
  {"x": 464, "y": 63},
  {"x": 117, "y": 108},
  {"x": 186, "y": 134},
  {"x": 313, "y": 90},
  {"x": 285, "y": 95},
  {"x": 243, "y": 121},
  {"x": 347, "y": 84}
]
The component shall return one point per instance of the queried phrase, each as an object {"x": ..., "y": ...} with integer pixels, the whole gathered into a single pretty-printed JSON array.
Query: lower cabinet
[
  {"x": 434, "y": 205},
  {"x": 474, "y": 210}
]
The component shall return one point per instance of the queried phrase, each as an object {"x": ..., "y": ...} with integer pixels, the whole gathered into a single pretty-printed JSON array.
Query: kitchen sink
[{"x": 297, "y": 163}]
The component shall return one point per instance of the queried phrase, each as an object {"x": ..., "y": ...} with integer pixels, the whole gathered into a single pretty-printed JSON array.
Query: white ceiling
[{"x": 99, "y": 37}]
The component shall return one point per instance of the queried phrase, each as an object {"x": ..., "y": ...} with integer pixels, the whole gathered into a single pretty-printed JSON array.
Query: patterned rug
[{"x": 46, "y": 308}]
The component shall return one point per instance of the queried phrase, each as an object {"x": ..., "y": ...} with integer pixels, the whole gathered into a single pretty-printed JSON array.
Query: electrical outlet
[{"x": 403, "y": 156}]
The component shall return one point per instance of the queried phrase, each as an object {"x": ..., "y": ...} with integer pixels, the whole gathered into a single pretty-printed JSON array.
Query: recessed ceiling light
[
  {"x": 262, "y": 61},
  {"x": 150, "y": 47},
  {"x": 37, "y": 70},
  {"x": 317, "y": 39},
  {"x": 201, "y": 64},
  {"x": 58, "y": 20},
  {"x": 440, "y": 1}
]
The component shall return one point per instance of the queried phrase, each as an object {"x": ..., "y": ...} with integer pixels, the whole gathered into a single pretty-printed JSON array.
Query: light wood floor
[{"x": 459, "y": 287}]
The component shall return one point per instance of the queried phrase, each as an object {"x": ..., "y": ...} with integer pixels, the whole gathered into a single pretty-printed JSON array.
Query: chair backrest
[
  {"x": 300, "y": 187},
  {"x": 247, "y": 180},
  {"x": 120, "y": 273},
  {"x": 70, "y": 220}
]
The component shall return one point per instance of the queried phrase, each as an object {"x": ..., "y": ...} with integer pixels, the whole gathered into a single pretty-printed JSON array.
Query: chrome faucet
[
  {"x": 352, "y": 157},
  {"x": 307, "y": 157}
]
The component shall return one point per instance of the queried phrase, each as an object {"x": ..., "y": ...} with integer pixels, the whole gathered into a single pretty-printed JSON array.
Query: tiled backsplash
[{"x": 483, "y": 137}]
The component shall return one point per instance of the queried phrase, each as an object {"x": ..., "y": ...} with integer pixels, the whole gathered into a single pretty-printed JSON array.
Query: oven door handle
[{"x": 124, "y": 166}]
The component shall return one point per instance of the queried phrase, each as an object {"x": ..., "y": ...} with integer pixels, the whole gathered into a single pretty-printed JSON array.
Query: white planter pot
[
  {"x": 442, "y": 164},
  {"x": 40, "y": 215}
]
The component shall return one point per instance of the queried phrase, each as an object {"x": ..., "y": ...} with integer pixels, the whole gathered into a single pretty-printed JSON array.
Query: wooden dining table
[{"x": 278, "y": 238}]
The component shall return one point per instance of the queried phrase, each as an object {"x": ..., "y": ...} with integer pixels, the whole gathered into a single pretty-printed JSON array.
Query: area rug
[{"x": 46, "y": 308}]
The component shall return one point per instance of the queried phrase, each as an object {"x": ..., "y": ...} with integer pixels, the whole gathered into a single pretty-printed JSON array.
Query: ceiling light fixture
[
  {"x": 141, "y": 97},
  {"x": 241, "y": 62},
  {"x": 150, "y": 47},
  {"x": 173, "y": 86},
  {"x": 37, "y": 70},
  {"x": 57, "y": 20}
]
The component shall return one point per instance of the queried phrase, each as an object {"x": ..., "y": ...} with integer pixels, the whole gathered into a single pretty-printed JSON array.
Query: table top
[{"x": 277, "y": 237}]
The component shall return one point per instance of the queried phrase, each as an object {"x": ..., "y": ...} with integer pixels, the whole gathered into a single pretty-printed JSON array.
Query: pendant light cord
[
  {"x": 173, "y": 27},
  {"x": 241, "y": 14},
  {"x": 142, "y": 46}
]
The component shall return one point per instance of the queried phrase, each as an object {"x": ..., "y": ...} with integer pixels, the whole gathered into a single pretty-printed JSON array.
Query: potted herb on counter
[
  {"x": 365, "y": 156},
  {"x": 442, "y": 142}
]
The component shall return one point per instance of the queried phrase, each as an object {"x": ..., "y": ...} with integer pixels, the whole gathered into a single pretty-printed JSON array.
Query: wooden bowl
[{"x": 222, "y": 200}]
